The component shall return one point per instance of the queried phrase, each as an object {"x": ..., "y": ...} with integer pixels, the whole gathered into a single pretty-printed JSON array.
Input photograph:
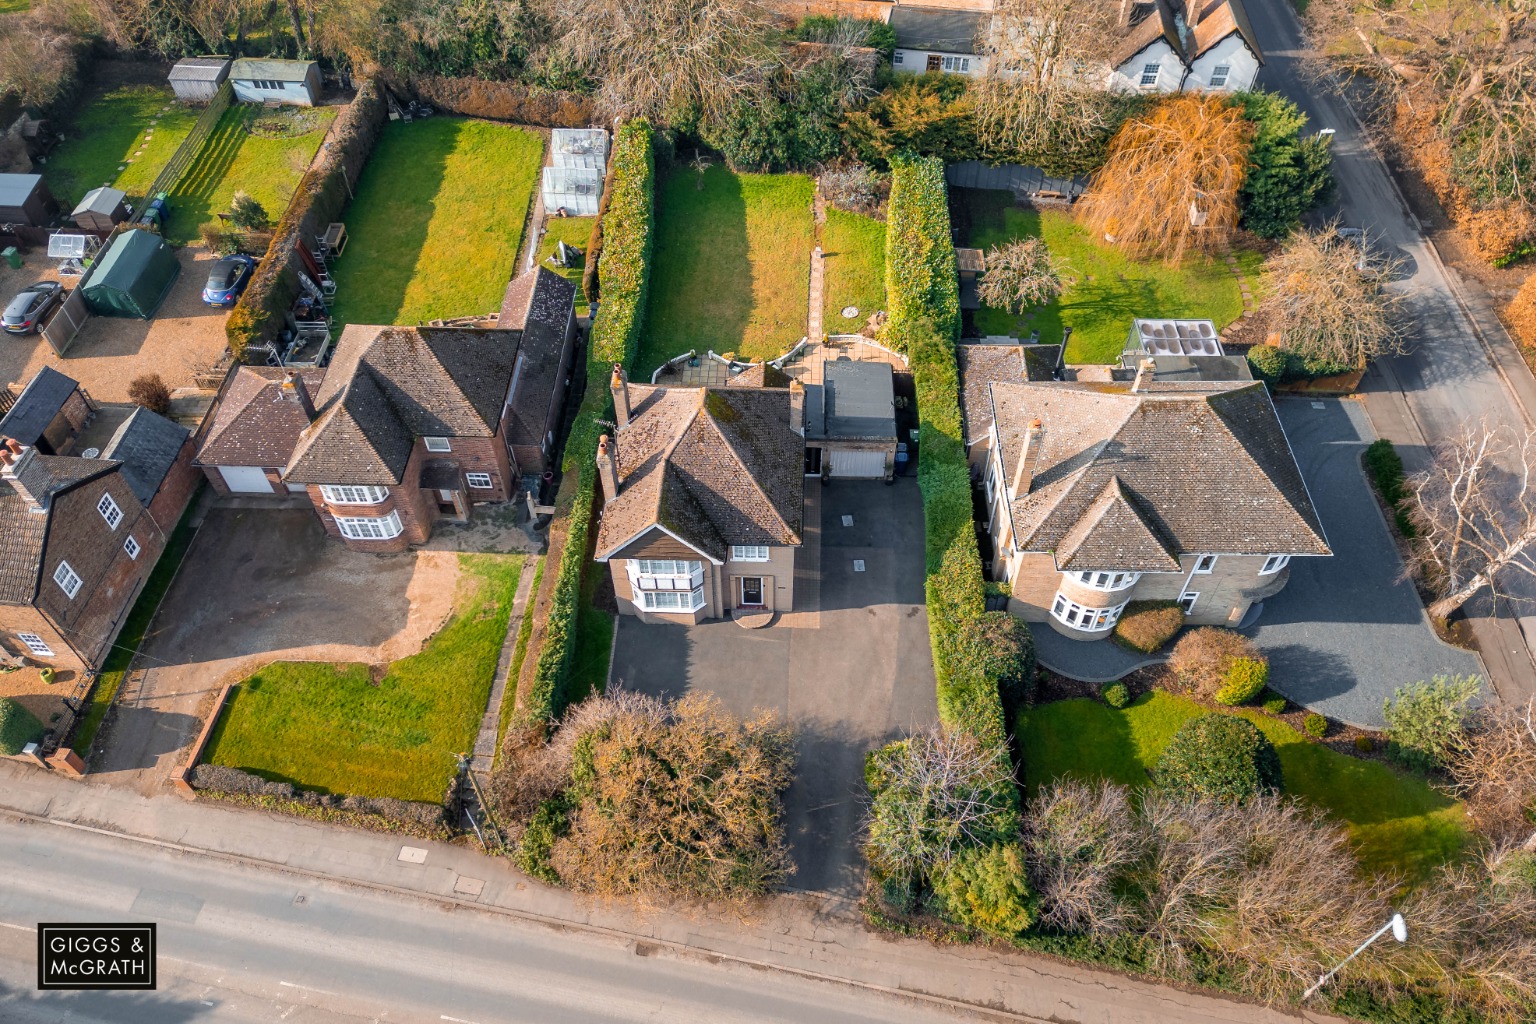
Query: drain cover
[{"x": 858, "y": 565}]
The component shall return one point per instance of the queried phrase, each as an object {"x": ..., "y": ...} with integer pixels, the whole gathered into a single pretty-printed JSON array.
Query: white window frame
[
  {"x": 370, "y": 527},
  {"x": 956, "y": 65},
  {"x": 1273, "y": 564},
  {"x": 749, "y": 553},
  {"x": 68, "y": 580},
  {"x": 898, "y": 58},
  {"x": 672, "y": 600},
  {"x": 1080, "y": 617},
  {"x": 1205, "y": 564},
  {"x": 35, "y": 644},
  {"x": 1150, "y": 73},
  {"x": 132, "y": 547},
  {"x": 437, "y": 444},
  {"x": 1188, "y": 600},
  {"x": 479, "y": 481},
  {"x": 1106, "y": 582},
  {"x": 109, "y": 511},
  {"x": 1219, "y": 75},
  {"x": 346, "y": 494},
  {"x": 668, "y": 576}
]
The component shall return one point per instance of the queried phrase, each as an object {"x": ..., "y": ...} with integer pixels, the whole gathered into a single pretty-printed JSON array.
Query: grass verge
[
  {"x": 732, "y": 265},
  {"x": 1105, "y": 289},
  {"x": 436, "y": 224},
  {"x": 519, "y": 653},
  {"x": 1398, "y": 822},
  {"x": 109, "y": 129},
  {"x": 115, "y": 668},
  {"x": 853, "y": 248},
  {"x": 594, "y": 639},
  {"x": 347, "y": 729},
  {"x": 575, "y": 231}
]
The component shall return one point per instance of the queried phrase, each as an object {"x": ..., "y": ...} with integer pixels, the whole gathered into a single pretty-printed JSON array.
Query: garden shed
[
  {"x": 25, "y": 199},
  {"x": 579, "y": 147},
  {"x": 197, "y": 79},
  {"x": 133, "y": 277},
  {"x": 102, "y": 209},
  {"x": 276, "y": 81},
  {"x": 576, "y": 190}
]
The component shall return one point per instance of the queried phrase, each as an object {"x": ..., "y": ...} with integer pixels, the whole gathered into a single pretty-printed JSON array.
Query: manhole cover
[
  {"x": 858, "y": 565},
  {"x": 412, "y": 855},
  {"x": 849, "y": 312}
]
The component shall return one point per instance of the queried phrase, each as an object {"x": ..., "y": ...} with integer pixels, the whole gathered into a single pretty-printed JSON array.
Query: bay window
[
  {"x": 338, "y": 494},
  {"x": 370, "y": 527},
  {"x": 1274, "y": 563},
  {"x": 1107, "y": 582},
  {"x": 1091, "y": 620},
  {"x": 666, "y": 584}
]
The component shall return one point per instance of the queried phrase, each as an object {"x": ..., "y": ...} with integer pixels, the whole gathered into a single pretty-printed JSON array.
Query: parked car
[
  {"x": 28, "y": 309},
  {"x": 228, "y": 279}
]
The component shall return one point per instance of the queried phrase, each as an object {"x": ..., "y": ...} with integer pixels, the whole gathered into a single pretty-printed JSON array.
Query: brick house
[
  {"x": 703, "y": 500},
  {"x": 254, "y": 429},
  {"x": 78, "y": 537},
  {"x": 542, "y": 305},
  {"x": 408, "y": 428},
  {"x": 1167, "y": 485},
  {"x": 48, "y": 413}
]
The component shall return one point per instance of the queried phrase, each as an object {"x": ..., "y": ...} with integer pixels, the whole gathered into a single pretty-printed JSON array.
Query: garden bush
[
  {"x": 1219, "y": 756},
  {"x": 1203, "y": 658},
  {"x": 1364, "y": 744},
  {"x": 1428, "y": 720},
  {"x": 1315, "y": 725},
  {"x": 18, "y": 727},
  {"x": 1274, "y": 703},
  {"x": 1385, "y": 467},
  {"x": 1521, "y": 313},
  {"x": 378, "y": 813},
  {"x": 149, "y": 391},
  {"x": 1245, "y": 679},
  {"x": 1146, "y": 626},
  {"x": 986, "y": 888},
  {"x": 549, "y": 822},
  {"x": 1268, "y": 363},
  {"x": 921, "y": 281},
  {"x": 1288, "y": 173},
  {"x": 1116, "y": 695}
]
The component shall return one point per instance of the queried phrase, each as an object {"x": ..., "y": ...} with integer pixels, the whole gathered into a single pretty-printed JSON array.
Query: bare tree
[
  {"x": 1327, "y": 301},
  {"x": 1475, "y": 512},
  {"x": 1045, "y": 64},
  {"x": 1494, "y": 769},
  {"x": 1080, "y": 840},
  {"x": 665, "y": 55},
  {"x": 1020, "y": 274},
  {"x": 39, "y": 54},
  {"x": 1170, "y": 183}
]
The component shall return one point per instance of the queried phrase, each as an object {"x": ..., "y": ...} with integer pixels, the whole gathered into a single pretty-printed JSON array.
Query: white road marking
[
  {"x": 306, "y": 988},
  {"x": 18, "y": 927},
  {"x": 456, "y": 1020}
]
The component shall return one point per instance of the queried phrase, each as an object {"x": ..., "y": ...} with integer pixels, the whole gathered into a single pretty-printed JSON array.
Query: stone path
[
  {"x": 485, "y": 743},
  {"x": 1242, "y": 282}
]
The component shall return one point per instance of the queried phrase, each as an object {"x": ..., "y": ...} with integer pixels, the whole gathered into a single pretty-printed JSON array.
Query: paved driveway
[
  {"x": 860, "y": 677},
  {"x": 261, "y": 585},
  {"x": 1347, "y": 630}
]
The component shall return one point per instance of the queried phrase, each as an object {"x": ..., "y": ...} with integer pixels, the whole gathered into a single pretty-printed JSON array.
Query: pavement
[
  {"x": 265, "y": 918},
  {"x": 261, "y": 585},
  {"x": 1348, "y": 630},
  {"x": 1462, "y": 364},
  {"x": 862, "y": 677}
]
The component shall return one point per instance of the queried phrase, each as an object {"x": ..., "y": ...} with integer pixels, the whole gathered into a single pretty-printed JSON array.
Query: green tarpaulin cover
[{"x": 133, "y": 276}]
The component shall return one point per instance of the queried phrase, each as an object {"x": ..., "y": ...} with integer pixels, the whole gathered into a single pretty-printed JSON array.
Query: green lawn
[
  {"x": 576, "y": 231},
  {"x": 106, "y": 133},
  {"x": 437, "y": 223},
  {"x": 14, "y": 6},
  {"x": 234, "y": 157},
  {"x": 731, "y": 270},
  {"x": 1396, "y": 820},
  {"x": 853, "y": 248},
  {"x": 335, "y": 729},
  {"x": 1105, "y": 290}
]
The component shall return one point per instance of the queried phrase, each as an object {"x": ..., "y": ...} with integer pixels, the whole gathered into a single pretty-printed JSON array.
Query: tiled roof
[
  {"x": 981, "y": 365},
  {"x": 1215, "y": 20},
  {"x": 387, "y": 386},
  {"x": 24, "y": 533},
  {"x": 147, "y": 445},
  {"x": 1157, "y": 23},
  {"x": 714, "y": 466},
  {"x": 37, "y": 405},
  {"x": 759, "y": 375},
  {"x": 1120, "y": 474},
  {"x": 253, "y": 425},
  {"x": 539, "y": 303},
  {"x": 920, "y": 28}
]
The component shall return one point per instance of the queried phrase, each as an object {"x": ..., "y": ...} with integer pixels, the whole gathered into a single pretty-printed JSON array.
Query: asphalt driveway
[
  {"x": 261, "y": 585},
  {"x": 1348, "y": 630},
  {"x": 848, "y": 674}
]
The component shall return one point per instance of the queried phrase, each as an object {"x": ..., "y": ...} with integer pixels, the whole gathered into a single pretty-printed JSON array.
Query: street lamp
[
  {"x": 1323, "y": 133},
  {"x": 1397, "y": 926}
]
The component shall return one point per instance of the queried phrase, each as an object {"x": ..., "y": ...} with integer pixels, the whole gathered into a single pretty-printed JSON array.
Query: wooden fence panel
[
  {"x": 182, "y": 158},
  {"x": 61, "y": 328}
]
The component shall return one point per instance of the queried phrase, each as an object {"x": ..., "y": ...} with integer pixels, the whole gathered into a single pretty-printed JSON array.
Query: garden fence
[{"x": 182, "y": 158}]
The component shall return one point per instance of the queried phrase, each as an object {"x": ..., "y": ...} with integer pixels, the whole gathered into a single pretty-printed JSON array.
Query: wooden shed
[
  {"x": 276, "y": 81},
  {"x": 197, "y": 79},
  {"x": 102, "y": 209},
  {"x": 25, "y": 199}
]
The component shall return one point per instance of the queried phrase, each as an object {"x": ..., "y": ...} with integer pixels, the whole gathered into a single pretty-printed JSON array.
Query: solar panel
[{"x": 66, "y": 247}]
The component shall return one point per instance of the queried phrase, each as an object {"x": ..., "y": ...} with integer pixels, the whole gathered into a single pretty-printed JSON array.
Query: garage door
[
  {"x": 861, "y": 465},
  {"x": 246, "y": 479}
]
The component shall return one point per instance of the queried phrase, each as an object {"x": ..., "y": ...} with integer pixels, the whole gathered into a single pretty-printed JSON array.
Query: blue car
[{"x": 228, "y": 279}]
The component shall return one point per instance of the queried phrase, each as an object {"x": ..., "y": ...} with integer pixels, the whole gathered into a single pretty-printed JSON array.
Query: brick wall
[
  {"x": 24, "y": 618},
  {"x": 180, "y": 482}
]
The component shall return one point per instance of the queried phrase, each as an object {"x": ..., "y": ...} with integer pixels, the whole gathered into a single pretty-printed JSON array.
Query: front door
[
  {"x": 935, "y": 62},
  {"x": 751, "y": 591}
]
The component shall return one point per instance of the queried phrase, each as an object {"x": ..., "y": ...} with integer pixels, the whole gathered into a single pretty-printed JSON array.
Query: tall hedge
[
  {"x": 923, "y": 296},
  {"x": 624, "y": 280}
]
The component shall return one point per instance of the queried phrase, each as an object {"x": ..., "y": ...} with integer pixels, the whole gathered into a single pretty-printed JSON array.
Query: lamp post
[
  {"x": 1397, "y": 926},
  {"x": 1323, "y": 133}
]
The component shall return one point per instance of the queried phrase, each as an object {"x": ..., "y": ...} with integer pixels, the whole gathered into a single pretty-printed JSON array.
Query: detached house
[
  {"x": 1176, "y": 487},
  {"x": 703, "y": 499},
  {"x": 1186, "y": 46}
]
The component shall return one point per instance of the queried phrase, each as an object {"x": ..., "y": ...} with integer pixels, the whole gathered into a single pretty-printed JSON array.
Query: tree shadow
[{"x": 20, "y": 1005}]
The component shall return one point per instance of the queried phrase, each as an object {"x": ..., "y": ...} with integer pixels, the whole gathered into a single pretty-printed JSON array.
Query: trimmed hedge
[
  {"x": 1116, "y": 695},
  {"x": 1147, "y": 626},
  {"x": 1386, "y": 469},
  {"x": 379, "y": 814},
  {"x": 322, "y": 195},
  {"x": 624, "y": 281},
  {"x": 922, "y": 282}
]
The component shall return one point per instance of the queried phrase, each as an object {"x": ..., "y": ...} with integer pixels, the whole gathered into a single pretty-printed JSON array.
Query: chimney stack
[
  {"x": 30, "y": 479},
  {"x": 1146, "y": 370},
  {"x": 608, "y": 467},
  {"x": 1029, "y": 455},
  {"x": 296, "y": 391},
  {"x": 797, "y": 407},
  {"x": 619, "y": 385}
]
